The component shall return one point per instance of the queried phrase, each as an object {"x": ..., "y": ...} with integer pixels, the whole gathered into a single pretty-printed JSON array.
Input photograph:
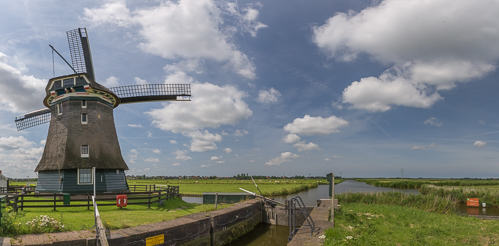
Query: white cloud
[
  {"x": 203, "y": 141},
  {"x": 140, "y": 81},
  {"x": 302, "y": 146},
  {"x": 11, "y": 143},
  {"x": 203, "y": 166},
  {"x": 284, "y": 157},
  {"x": 415, "y": 147},
  {"x": 173, "y": 141},
  {"x": 43, "y": 142},
  {"x": 220, "y": 162},
  {"x": 291, "y": 138},
  {"x": 184, "y": 30},
  {"x": 176, "y": 164},
  {"x": 316, "y": 125},
  {"x": 182, "y": 155},
  {"x": 268, "y": 96},
  {"x": 228, "y": 150},
  {"x": 151, "y": 160},
  {"x": 336, "y": 156},
  {"x": 248, "y": 20},
  {"x": 239, "y": 133},
  {"x": 433, "y": 145},
  {"x": 215, "y": 158},
  {"x": 12, "y": 82},
  {"x": 327, "y": 159},
  {"x": 479, "y": 144},
  {"x": 135, "y": 125},
  {"x": 111, "y": 82},
  {"x": 212, "y": 106},
  {"x": 433, "y": 121},
  {"x": 156, "y": 151},
  {"x": 447, "y": 47}
]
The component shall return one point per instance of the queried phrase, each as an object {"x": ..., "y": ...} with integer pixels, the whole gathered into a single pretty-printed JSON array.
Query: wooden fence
[{"x": 142, "y": 196}]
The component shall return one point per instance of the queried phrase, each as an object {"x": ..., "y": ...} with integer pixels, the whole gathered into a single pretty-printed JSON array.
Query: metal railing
[{"x": 292, "y": 216}]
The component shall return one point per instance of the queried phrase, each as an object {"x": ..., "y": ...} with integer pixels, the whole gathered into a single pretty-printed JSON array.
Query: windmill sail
[
  {"x": 153, "y": 92},
  {"x": 79, "y": 47},
  {"x": 34, "y": 118}
]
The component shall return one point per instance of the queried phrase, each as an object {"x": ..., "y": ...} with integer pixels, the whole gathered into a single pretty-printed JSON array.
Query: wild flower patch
[{"x": 44, "y": 223}]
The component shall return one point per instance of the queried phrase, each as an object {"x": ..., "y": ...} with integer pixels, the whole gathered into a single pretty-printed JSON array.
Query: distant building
[{"x": 4, "y": 181}]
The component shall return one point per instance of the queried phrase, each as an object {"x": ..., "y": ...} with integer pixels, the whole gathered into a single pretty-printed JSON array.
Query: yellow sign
[{"x": 159, "y": 239}]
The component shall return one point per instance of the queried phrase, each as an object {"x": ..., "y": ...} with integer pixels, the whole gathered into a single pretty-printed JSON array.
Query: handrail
[{"x": 292, "y": 216}]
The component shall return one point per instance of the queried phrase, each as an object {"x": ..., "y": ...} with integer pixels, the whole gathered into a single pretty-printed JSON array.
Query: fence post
[
  {"x": 22, "y": 202},
  {"x": 88, "y": 201},
  {"x": 54, "y": 202},
  {"x": 159, "y": 199},
  {"x": 149, "y": 204}
]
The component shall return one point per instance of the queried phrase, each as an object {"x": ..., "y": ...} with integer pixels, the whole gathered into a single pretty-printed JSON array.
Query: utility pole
[{"x": 402, "y": 170}]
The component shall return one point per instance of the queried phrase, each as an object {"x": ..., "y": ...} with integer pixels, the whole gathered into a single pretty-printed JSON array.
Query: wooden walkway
[{"x": 320, "y": 215}]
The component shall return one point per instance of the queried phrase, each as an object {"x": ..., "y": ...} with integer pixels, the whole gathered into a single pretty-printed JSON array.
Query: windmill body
[{"x": 82, "y": 134}]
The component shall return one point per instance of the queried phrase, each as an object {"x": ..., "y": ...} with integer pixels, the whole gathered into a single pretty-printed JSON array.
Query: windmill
[{"x": 82, "y": 134}]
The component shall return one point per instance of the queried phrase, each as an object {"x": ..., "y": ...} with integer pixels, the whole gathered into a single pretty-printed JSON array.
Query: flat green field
[{"x": 267, "y": 187}]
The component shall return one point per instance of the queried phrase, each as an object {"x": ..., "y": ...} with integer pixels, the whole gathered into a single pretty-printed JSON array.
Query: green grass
[
  {"x": 375, "y": 224},
  {"x": 79, "y": 218},
  {"x": 461, "y": 194},
  {"x": 267, "y": 186},
  {"x": 417, "y": 183}
]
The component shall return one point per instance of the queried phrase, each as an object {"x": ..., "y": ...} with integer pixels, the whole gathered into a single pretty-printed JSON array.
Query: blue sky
[{"x": 359, "y": 88}]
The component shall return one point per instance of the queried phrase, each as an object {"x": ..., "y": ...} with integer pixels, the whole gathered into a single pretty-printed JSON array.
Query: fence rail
[{"x": 142, "y": 195}]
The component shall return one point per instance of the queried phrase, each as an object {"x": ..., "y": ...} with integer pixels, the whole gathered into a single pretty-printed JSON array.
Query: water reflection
[{"x": 264, "y": 235}]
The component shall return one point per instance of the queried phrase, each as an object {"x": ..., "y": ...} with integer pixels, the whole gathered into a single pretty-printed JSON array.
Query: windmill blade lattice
[
  {"x": 34, "y": 118},
  {"x": 153, "y": 92}
]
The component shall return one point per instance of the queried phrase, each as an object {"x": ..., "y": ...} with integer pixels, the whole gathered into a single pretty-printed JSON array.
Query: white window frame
[
  {"x": 86, "y": 119},
  {"x": 83, "y": 103},
  {"x": 91, "y": 177},
  {"x": 84, "y": 154}
]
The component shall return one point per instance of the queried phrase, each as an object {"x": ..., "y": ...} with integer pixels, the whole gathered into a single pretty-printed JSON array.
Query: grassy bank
[
  {"x": 418, "y": 183},
  {"x": 461, "y": 194},
  {"x": 428, "y": 203},
  {"x": 274, "y": 187},
  {"x": 376, "y": 224},
  {"x": 112, "y": 216}
]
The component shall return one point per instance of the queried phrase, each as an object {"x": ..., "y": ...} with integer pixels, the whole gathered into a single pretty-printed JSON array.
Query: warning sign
[
  {"x": 473, "y": 202},
  {"x": 156, "y": 240}
]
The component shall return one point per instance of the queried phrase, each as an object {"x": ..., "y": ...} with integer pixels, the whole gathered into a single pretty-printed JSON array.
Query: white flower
[
  {"x": 349, "y": 237},
  {"x": 350, "y": 227},
  {"x": 322, "y": 237}
]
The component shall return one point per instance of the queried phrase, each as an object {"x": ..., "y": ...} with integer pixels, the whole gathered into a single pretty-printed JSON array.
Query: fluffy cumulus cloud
[
  {"x": 187, "y": 29},
  {"x": 268, "y": 96},
  {"x": 450, "y": 45},
  {"x": 315, "y": 125},
  {"x": 416, "y": 147},
  {"x": 291, "y": 138},
  {"x": 13, "y": 82},
  {"x": 182, "y": 155},
  {"x": 479, "y": 144},
  {"x": 303, "y": 146},
  {"x": 203, "y": 141},
  {"x": 212, "y": 107},
  {"x": 11, "y": 143},
  {"x": 284, "y": 157},
  {"x": 228, "y": 150}
]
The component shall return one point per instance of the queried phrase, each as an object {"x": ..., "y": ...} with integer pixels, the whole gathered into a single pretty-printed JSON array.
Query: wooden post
[
  {"x": 159, "y": 199},
  {"x": 149, "y": 204},
  {"x": 54, "y": 201},
  {"x": 22, "y": 202},
  {"x": 88, "y": 201},
  {"x": 216, "y": 200},
  {"x": 332, "y": 198}
]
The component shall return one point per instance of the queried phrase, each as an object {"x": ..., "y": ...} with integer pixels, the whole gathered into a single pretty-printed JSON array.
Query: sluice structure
[{"x": 82, "y": 134}]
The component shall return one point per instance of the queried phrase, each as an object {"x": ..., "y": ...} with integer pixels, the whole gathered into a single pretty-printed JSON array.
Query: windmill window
[
  {"x": 84, "y": 118},
  {"x": 84, "y": 151},
  {"x": 57, "y": 84},
  {"x": 83, "y": 103},
  {"x": 68, "y": 82},
  {"x": 85, "y": 176}
]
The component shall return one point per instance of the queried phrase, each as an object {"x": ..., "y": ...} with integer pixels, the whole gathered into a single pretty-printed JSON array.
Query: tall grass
[
  {"x": 461, "y": 194},
  {"x": 418, "y": 183},
  {"x": 428, "y": 202}
]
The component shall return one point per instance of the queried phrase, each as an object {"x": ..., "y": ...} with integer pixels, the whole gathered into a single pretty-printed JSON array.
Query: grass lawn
[
  {"x": 80, "y": 218},
  {"x": 361, "y": 224}
]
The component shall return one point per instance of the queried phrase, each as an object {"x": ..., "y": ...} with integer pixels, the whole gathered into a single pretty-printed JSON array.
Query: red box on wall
[{"x": 121, "y": 201}]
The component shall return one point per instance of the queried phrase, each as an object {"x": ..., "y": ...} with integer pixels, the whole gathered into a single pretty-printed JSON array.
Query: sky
[{"x": 358, "y": 88}]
